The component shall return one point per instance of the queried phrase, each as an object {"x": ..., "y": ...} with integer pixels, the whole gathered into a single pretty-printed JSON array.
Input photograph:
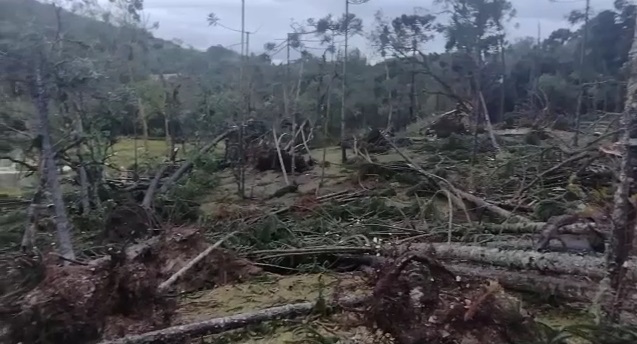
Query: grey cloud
[{"x": 186, "y": 19}]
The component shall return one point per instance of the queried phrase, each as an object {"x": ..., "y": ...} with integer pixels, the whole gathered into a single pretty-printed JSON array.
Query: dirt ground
[
  {"x": 261, "y": 185},
  {"x": 270, "y": 290},
  {"x": 265, "y": 290}
]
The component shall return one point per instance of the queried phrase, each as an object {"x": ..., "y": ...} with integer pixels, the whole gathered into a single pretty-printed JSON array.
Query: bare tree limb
[
  {"x": 218, "y": 325},
  {"x": 188, "y": 164},
  {"x": 172, "y": 279}
]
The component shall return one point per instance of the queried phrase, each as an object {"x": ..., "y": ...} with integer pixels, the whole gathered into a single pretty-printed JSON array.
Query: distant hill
[{"x": 160, "y": 56}]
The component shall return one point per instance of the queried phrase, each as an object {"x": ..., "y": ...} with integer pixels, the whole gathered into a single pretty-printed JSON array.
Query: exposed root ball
[
  {"x": 269, "y": 160},
  {"x": 109, "y": 298},
  {"x": 180, "y": 245},
  {"x": 417, "y": 300},
  {"x": 72, "y": 303},
  {"x": 127, "y": 221}
]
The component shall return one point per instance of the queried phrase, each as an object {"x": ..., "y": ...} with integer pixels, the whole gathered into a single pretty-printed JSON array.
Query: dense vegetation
[
  {"x": 520, "y": 76},
  {"x": 118, "y": 131}
]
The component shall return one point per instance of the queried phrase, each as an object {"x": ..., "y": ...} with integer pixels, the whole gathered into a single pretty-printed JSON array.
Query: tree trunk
[
  {"x": 559, "y": 263},
  {"x": 503, "y": 85},
  {"x": 623, "y": 215},
  {"x": 62, "y": 223},
  {"x": 177, "y": 334},
  {"x": 412, "y": 88},
  {"x": 85, "y": 197},
  {"x": 188, "y": 164},
  {"x": 33, "y": 212},
  {"x": 294, "y": 124},
  {"x": 328, "y": 109},
  {"x": 144, "y": 121},
  {"x": 344, "y": 86},
  {"x": 581, "y": 91},
  {"x": 172, "y": 279},
  {"x": 568, "y": 287},
  {"x": 390, "y": 103},
  {"x": 487, "y": 121},
  {"x": 169, "y": 145}
]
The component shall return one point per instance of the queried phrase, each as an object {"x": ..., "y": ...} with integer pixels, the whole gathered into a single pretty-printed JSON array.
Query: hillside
[{"x": 20, "y": 16}]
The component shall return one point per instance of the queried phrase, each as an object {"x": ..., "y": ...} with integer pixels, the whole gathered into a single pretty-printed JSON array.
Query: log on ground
[
  {"x": 219, "y": 325},
  {"x": 558, "y": 263}
]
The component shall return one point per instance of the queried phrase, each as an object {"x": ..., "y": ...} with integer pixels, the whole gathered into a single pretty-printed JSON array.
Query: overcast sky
[{"x": 186, "y": 19}]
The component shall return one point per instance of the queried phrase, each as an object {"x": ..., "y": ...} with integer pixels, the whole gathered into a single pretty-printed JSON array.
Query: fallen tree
[
  {"x": 553, "y": 262},
  {"x": 218, "y": 325},
  {"x": 570, "y": 288}
]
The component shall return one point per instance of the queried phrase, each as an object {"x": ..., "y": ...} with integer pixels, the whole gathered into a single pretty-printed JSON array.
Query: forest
[{"x": 151, "y": 192}]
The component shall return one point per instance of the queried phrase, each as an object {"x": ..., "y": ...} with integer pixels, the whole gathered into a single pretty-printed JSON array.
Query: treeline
[{"x": 577, "y": 70}]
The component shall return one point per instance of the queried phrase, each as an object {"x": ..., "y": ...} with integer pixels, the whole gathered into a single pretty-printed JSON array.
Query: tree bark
[
  {"x": 535, "y": 227},
  {"x": 170, "y": 281},
  {"x": 294, "y": 124},
  {"x": 487, "y": 121},
  {"x": 144, "y": 121},
  {"x": 344, "y": 86},
  {"x": 559, "y": 263},
  {"x": 219, "y": 325},
  {"x": 278, "y": 152},
  {"x": 85, "y": 197},
  {"x": 490, "y": 207},
  {"x": 390, "y": 103},
  {"x": 504, "y": 81},
  {"x": 581, "y": 90},
  {"x": 623, "y": 215},
  {"x": 328, "y": 112},
  {"x": 147, "y": 202},
  {"x": 62, "y": 223},
  {"x": 33, "y": 212},
  {"x": 569, "y": 288}
]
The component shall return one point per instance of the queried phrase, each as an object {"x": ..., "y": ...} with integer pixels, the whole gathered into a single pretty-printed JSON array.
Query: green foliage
[
  {"x": 546, "y": 209},
  {"x": 476, "y": 24},
  {"x": 603, "y": 334},
  {"x": 183, "y": 202}
]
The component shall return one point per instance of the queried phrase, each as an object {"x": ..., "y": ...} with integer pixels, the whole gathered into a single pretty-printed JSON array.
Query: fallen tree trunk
[
  {"x": 172, "y": 279},
  {"x": 558, "y": 263},
  {"x": 571, "y": 288},
  {"x": 188, "y": 164},
  {"x": 579, "y": 246},
  {"x": 490, "y": 207},
  {"x": 219, "y": 325},
  {"x": 535, "y": 227},
  {"x": 154, "y": 184},
  {"x": 131, "y": 253}
]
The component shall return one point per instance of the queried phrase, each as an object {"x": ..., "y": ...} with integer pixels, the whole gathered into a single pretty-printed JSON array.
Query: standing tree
[
  {"x": 330, "y": 30},
  {"x": 475, "y": 29},
  {"x": 346, "y": 30},
  {"x": 624, "y": 215},
  {"x": 405, "y": 37},
  {"x": 575, "y": 17},
  {"x": 41, "y": 61}
]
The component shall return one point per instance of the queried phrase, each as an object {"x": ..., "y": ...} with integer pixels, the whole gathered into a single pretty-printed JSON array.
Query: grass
[
  {"x": 124, "y": 151},
  {"x": 262, "y": 292}
]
